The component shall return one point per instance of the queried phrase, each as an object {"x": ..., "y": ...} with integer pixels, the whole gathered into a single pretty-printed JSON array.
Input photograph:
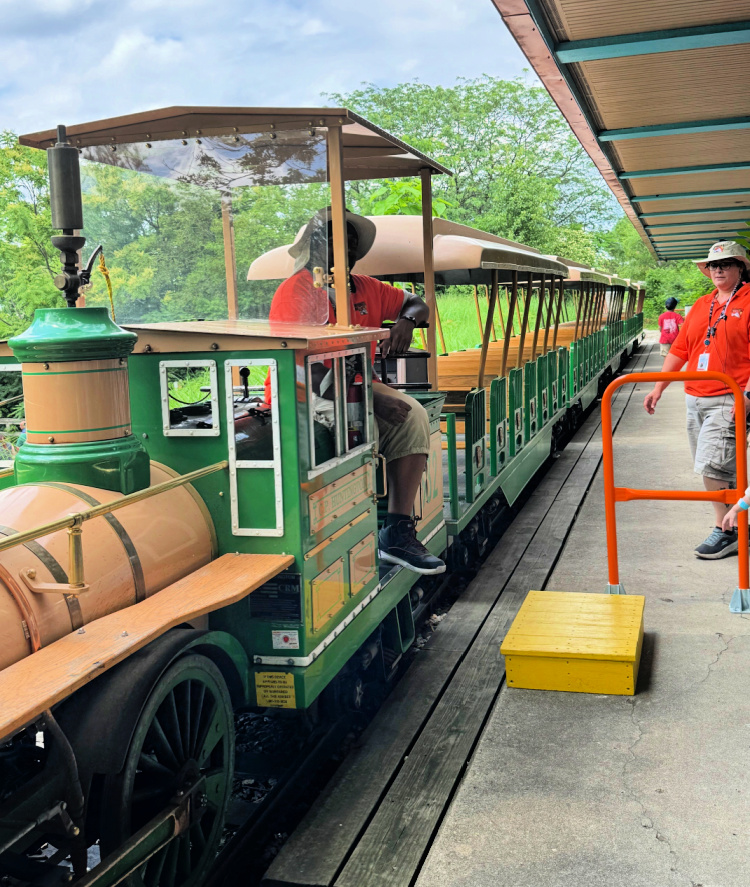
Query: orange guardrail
[{"x": 612, "y": 494}]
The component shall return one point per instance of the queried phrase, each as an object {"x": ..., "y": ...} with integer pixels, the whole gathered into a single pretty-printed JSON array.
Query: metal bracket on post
[
  {"x": 616, "y": 589},
  {"x": 740, "y": 602}
]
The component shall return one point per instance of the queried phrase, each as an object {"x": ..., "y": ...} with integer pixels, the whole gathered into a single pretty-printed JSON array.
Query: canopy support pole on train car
[
  {"x": 511, "y": 308},
  {"x": 230, "y": 263},
  {"x": 497, "y": 304},
  {"x": 487, "y": 330},
  {"x": 740, "y": 602},
  {"x": 525, "y": 322},
  {"x": 338, "y": 224},
  {"x": 539, "y": 312},
  {"x": 499, "y": 314},
  {"x": 429, "y": 276},
  {"x": 560, "y": 300},
  {"x": 545, "y": 347},
  {"x": 579, "y": 309}
]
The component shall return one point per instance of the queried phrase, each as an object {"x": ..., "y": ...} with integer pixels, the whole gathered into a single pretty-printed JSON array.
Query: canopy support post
[
  {"x": 429, "y": 276},
  {"x": 525, "y": 321},
  {"x": 230, "y": 262},
  {"x": 560, "y": 299},
  {"x": 487, "y": 330},
  {"x": 511, "y": 308},
  {"x": 338, "y": 220}
]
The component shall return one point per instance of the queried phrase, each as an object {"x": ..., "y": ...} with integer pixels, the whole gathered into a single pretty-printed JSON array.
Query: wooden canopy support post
[
  {"x": 525, "y": 321},
  {"x": 487, "y": 331},
  {"x": 429, "y": 277},
  {"x": 476, "y": 305},
  {"x": 421, "y": 330},
  {"x": 560, "y": 300},
  {"x": 519, "y": 307},
  {"x": 338, "y": 221},
  {"x": 230, "y": 262},
  {"x": 511, "y": 308},
  {"x": 579, "y": 310},
  {"x": 548, "y": 324},
  {"x": 492, "y": 314},
  {"x": 539, "y": 312},
  {"x": 503, "y": 325}
]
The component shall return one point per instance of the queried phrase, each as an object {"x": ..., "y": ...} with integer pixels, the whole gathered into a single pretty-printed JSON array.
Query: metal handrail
[
  {"x": 73, "y": 521},
  {"x": 612, "y": 494}
]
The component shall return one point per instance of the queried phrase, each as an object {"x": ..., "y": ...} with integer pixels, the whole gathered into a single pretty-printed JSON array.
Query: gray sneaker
[{"x": 718, "y": 544}]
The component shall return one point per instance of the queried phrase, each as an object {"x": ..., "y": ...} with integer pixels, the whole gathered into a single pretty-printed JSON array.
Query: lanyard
[{"x": 711, "y": 330}]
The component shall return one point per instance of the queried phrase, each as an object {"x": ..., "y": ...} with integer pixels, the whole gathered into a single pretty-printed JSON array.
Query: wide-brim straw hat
[
  {"x": 300, "y": 249},
  {"x": 724, "y": 249}
]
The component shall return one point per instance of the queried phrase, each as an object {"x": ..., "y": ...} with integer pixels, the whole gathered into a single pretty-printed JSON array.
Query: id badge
[{"x": 703, "y": 361}]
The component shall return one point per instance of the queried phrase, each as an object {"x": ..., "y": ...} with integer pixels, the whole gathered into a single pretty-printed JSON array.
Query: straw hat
[
  {"x": 724, "y": 249},
  {"x": 300, "y": 249}
]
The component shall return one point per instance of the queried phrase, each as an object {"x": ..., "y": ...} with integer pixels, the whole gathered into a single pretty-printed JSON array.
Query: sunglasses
[{"x": 725, "y": 263}]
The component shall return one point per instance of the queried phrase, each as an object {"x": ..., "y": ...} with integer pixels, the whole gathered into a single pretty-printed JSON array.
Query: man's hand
[
  {"x": 650, "y": 401},
  {"x": 400, "y": 340},
  {"x": 392, "y": 410}
]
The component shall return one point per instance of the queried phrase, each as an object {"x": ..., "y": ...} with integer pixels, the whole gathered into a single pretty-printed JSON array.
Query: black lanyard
[{"x": 711, "y": 330}]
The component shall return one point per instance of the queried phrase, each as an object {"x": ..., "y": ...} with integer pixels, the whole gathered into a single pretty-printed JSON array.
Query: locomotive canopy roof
[
  {"x": 397, "y": 253},
  {"x": 368, "y": 151},
  {"x": 656, "y": 95},
  {"x": 245, "y": 335}
]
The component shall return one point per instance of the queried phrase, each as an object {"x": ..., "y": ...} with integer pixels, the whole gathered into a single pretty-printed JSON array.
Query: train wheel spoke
[
  {"x": 164, "y": 750},
  {"x": 171, "y": 724},
  {"x": 213, "y": 732}
]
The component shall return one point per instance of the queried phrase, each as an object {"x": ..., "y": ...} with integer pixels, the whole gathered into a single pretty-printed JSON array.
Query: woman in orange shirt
[{"x": 715, "y": 336}]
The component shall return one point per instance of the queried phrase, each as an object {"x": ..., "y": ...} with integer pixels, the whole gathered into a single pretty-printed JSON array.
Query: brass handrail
[{"x": 77, "y": 518}]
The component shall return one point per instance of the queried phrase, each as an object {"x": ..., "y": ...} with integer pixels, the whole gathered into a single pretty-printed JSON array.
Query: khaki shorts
[
  {"x": 664, "y": 349},
  {"x": 409, "y": 438},
  {"x": 710, "y": 428}
]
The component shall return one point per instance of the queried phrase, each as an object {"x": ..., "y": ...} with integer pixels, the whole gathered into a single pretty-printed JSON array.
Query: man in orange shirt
[
  {"x": 715, "y": 336},
  {"x": 402, "y": 424}
]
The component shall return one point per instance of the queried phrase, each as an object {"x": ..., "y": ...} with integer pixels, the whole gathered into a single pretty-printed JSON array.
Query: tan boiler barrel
[{"x": 127, "y": 555}]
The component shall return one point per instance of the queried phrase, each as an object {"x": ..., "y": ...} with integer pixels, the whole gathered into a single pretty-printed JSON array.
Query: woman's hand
[
  {"x": 730, "y": 518},
  {"x": 650, "y": 401}
]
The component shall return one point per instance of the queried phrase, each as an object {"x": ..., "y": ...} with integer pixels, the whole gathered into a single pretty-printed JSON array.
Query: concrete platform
[{"x": 573, "y": 790}]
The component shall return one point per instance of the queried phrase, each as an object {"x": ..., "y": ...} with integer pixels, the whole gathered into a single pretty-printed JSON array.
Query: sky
[{"x": 74, "y": 61}]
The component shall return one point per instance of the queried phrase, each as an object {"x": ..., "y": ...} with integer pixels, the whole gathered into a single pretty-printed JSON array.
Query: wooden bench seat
[{"x": 34, "y": 684}]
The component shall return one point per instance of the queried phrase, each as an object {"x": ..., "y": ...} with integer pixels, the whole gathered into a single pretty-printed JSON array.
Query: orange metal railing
[{"x": 613, "y": 494}]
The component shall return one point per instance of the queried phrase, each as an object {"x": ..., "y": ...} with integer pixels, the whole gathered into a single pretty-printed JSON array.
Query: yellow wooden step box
[{"x": 583, "y": 643}]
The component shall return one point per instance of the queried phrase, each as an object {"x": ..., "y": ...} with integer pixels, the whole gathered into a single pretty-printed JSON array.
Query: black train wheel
[{"x": 185, "y": 730}]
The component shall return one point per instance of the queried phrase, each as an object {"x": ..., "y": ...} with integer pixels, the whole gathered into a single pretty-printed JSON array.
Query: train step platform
[
  {"x": 645, "y": 791},
  {"x": 376, "y": 822}
]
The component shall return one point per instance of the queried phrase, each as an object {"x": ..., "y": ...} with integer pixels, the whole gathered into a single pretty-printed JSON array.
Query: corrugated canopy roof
[
  {"x": 656, "y": 94},
  {"x": 369, "y": 152}
]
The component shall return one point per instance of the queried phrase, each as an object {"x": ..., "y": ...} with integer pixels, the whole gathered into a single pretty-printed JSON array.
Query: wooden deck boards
[{"x": 375, "y": 820}]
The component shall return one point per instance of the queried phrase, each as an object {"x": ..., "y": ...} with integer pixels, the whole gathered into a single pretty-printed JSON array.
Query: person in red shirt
[
  {"x": 669, "y": 325},
  {"x": 715, "y": 336},
  {"x": 402, "y": 424}
]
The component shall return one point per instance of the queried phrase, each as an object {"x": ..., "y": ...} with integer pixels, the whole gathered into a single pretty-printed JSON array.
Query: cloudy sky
[{"x": 71, "y": 61}]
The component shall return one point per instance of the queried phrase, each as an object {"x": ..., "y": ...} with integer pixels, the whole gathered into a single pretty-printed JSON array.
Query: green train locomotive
[{"x": 174, "y": 547}]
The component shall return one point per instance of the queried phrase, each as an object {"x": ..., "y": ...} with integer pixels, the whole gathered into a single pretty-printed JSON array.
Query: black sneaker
[
  {"x": 398, "y": 544},
  {"x": 718, "y": 544}
]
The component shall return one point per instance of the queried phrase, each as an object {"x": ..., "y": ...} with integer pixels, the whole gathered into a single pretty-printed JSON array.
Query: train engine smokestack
[{"x": 74, "y": 367}]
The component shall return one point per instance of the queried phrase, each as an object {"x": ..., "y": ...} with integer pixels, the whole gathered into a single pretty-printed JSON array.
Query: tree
[{"x": 28, "y": 262}]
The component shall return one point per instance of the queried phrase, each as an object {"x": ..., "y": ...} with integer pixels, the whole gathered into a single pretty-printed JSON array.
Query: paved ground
[{"x": 574, "y": 790}]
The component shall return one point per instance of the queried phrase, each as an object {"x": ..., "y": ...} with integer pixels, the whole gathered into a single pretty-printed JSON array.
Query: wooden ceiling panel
[
  {"x": 667, "y": 205},
  {"x": 706, "y": 181},
  {"x": 584, "y": 19},
  {"x": 693, "y": 149},
  {"x": 670, "y": 87}
]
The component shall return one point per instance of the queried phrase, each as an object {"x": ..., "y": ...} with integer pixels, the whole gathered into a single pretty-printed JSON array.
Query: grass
[{"x": 458, "y": 315}]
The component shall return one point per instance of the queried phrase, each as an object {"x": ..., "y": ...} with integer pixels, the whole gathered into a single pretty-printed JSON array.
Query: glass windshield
[{"x": 182, "y": 222}]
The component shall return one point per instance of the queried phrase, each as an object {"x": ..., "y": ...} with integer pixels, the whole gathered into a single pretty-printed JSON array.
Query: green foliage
[
  {"x": 519, "y": 171},
  {"x": 27, "y": 260}
]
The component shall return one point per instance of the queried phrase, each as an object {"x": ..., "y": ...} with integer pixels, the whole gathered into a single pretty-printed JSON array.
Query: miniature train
[{"x": 165, "y": 559}]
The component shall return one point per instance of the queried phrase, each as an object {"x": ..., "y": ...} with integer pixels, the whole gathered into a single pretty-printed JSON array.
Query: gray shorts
[{"x": 710, "y": 428}]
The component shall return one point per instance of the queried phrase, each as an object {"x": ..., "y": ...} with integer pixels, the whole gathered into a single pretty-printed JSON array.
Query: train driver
[
  {"x": 401, "y": 423},
  {"x": 715, "y": 336}
]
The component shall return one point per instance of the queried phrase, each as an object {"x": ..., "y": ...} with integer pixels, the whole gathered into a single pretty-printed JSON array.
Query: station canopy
[{"x": 657, "y": 94}]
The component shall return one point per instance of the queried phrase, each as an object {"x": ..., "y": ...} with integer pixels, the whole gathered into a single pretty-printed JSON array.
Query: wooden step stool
[{"x": 584, "y": 643}]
